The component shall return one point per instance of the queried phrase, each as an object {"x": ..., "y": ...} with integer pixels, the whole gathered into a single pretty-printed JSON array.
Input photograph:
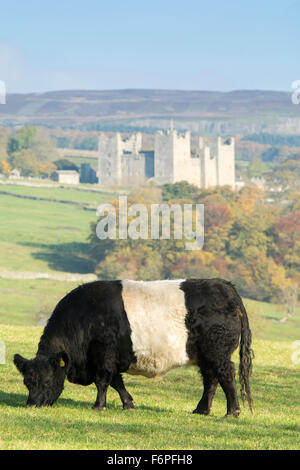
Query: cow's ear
[
  {"x": 20, "y": 363},
  {"x": 59, "y": 360}
]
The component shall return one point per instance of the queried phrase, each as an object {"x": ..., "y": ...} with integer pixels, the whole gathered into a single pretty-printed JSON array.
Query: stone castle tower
[
  {"x": 119, "y": 159},
  {"x": 123, "y": 162}
]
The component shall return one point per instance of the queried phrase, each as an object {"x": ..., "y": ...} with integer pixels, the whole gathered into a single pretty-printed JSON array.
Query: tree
[
  {"x": 249, "y": 197},
  {"x": 244, "y": 235},
  {"x": 46, "y": 169},
  {"x": 35, "y": 139},
  {"x": 26, "y": 162},
  {"x": 64, "y": 164},
  {"x": 217, "y": 214},
  {"x": 258, "y": 276},
  {"x": 22, "y": 139},
  {"x": 5, "y": 167},
  {"x": 270, "y": 154},
  {"x": 3, "y": 144},
  {"x": 287, "y": 237},
  {"x": 180, "y": 190},
  {"x": 43, "y": 147},
  {"x": 286, "y": 175},
  {"x": 62, "y": 141},
  {"x": 89, "y": 143},
  {"x": 256, "y": 167}
]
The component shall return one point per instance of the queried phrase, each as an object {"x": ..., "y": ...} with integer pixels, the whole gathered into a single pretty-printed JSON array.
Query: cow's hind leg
[
  {"x": 210, "y": 383},
  {"x": 118, "y": 384},
  {"x": 226, "y": 376},
  {"x": 217, "y": 346}
]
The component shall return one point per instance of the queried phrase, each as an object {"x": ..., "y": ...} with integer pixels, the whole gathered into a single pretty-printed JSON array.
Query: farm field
[
  {"x": 44, "y": 235},
  {"x": 92, "y": 198},
  {"x": 51, "y": 237}
]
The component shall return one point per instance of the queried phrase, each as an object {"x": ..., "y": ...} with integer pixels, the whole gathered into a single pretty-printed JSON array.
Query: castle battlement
[{"x": 123, "y": 161}]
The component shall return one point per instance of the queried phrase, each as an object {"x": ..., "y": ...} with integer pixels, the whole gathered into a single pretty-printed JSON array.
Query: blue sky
[{"x": 192, "y": 45}]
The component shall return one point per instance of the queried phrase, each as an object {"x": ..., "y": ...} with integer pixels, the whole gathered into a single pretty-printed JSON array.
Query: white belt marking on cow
[{"x": 156, "y": 312}]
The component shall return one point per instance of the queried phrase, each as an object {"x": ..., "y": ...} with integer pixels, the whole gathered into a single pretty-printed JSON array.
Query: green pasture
[{"x": 44, "y": 236}]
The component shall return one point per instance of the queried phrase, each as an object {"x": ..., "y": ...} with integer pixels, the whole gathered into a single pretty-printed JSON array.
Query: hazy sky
[{"x": 193, "y": 45}]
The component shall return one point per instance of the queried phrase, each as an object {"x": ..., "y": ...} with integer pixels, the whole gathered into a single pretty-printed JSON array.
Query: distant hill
[{"x": 242, "y": 111}]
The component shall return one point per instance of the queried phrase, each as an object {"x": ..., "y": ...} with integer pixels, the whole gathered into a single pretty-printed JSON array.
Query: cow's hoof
[
  {"x": 198, "y": 411},
  {"x": 234, "y": 414},
  {"x": 128, "y": 406},
  {"x": 99, "y": 408}
]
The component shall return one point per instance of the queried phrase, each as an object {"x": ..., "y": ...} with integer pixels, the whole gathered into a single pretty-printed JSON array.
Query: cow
[{"x": 103, "y": 329}]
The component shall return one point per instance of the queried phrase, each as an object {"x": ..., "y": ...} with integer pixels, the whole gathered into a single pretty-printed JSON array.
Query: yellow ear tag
[{"x": 62, "y": 363}]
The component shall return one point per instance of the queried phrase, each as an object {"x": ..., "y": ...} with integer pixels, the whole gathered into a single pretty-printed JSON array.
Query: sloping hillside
[{"x": 242, "y": 111}]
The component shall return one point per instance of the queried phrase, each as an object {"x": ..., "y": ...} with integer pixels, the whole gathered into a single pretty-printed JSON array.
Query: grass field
[
  {"x": 92, "y": 198},
  {"x": 26, "y": 302},
  {"x": 162, "y": 418},
  {"x": 46, "y": 236},
  {"x": 43, "y": 236}
]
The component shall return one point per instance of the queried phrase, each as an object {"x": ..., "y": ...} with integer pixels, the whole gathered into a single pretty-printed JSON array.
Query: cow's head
[{"x": 43, "y": 376}]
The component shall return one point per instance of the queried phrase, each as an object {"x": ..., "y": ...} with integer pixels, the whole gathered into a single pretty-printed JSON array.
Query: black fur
[
  {"x": 216, "y": 319},
  {"x": 88, "y": 340},
  {"x": 89, "y": 325}
]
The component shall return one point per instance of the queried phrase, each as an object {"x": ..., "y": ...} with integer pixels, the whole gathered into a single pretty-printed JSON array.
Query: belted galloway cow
[{"x": 105, "y": 328}]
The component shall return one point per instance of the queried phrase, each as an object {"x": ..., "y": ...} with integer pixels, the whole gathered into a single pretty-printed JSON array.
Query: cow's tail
[{"x": 246, "y": 355}]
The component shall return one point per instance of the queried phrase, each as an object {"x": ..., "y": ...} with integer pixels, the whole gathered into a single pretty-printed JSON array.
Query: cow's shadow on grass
[
  {"x": 111, "y": 406},
  {"x": 68, "y": 257},
  {"x": 18, "y": 400},
  {"x": 12, "y": 399}
]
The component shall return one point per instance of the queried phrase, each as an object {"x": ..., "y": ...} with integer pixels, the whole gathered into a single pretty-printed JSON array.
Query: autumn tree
[
  {"x": 286, "y": 175},
  {"x": 34, "y": 144},
  {"x": 287, "y": 237},
  {"x": 46, "y": 169},
  {"x": 22, "y": 139},
  {"x": 5, "y": 167},
  {"x": 25, "y": 161},
  {"x": 245, "y": 240},
  {"x": 249, "y": 197}
]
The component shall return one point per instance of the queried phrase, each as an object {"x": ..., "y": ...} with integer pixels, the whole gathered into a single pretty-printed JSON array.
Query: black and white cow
[{"x": 104, "y": 328}]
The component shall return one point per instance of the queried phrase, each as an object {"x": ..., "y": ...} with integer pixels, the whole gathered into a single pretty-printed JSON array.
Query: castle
[{"x": 124, "y": 162}]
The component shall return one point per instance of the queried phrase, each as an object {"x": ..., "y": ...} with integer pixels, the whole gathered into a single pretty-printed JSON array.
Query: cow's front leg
[
  {"x": 103, "y": 355},
  {"x": 118, "y": 384}
]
